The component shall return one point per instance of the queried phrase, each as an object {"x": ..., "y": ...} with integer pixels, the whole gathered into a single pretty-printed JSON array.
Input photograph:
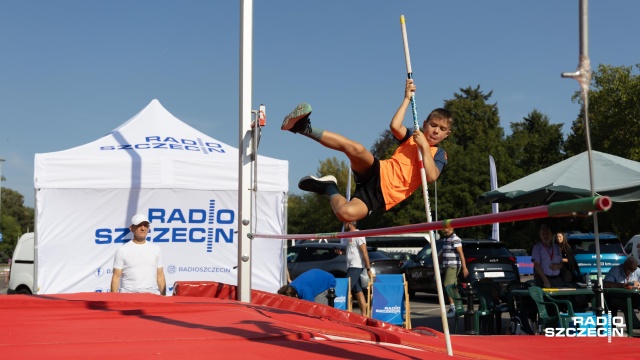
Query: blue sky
[{"x": 72, "y": 71}]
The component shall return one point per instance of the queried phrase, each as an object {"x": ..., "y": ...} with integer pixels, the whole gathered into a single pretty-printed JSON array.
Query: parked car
[
  {"x": 519, "y": 252},
  {"x": 485, "y": 259},
  {"x": 633, "y": 247},
  {"x": 301, "y": 258},
  {"x": 403, "y": 256},
  {"x": 22, "y": 266},
  {"x": 584, "y": 249}
]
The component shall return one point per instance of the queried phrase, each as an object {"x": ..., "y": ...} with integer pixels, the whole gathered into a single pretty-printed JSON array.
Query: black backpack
[{"x": 520, "y": 324}]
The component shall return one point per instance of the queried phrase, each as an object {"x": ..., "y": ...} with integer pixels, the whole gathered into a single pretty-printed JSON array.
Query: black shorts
[{"x": 368, "y": 188}]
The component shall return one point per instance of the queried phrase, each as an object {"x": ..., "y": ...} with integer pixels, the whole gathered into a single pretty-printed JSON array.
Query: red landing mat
[{"x": 136, "y": 326}]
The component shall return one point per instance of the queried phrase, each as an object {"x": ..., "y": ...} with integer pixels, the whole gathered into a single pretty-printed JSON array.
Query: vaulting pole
[{"x": 425, "y": 194}]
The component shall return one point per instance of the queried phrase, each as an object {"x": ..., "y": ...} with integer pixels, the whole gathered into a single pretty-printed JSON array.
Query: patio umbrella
[{"x": 614, "y": 176}]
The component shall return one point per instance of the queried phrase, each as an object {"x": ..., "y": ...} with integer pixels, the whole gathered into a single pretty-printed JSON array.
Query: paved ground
[{"x": 425, "y": 311}]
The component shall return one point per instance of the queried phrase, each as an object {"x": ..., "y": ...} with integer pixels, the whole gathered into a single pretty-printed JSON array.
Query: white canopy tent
[{"x": 187, "y": 183}]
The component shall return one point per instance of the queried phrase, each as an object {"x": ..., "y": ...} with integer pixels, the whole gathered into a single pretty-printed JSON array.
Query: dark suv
[
  {"x": 485, "y": 259},
  {"x": 301, "y": 258}
]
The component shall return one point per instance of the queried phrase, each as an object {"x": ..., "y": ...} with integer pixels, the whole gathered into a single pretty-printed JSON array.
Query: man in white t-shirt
[
  {"x": 137, "y": 266},
  {"x": 357, "y": 260}
]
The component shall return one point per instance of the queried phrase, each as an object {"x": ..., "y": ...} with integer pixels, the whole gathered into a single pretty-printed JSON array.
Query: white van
[
  {"x": 22, "y": 266},
  {"x": 633, "y": 247}
]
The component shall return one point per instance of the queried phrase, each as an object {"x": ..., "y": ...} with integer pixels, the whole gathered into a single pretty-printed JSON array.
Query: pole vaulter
[{"x": 425, "y": 193}]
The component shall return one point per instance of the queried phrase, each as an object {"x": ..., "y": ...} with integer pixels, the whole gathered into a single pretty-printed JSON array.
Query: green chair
[
  {"x": 491, "y": 294},
  {"x": 553, "y": 318},
  {"x": 455, "y": 292}
]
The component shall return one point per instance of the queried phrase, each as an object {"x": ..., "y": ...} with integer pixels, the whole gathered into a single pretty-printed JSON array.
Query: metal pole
[
  {"x": 469, "y": 315},
  {"x": 245, "y": 147},
  {"x": 583, "y": 76}
]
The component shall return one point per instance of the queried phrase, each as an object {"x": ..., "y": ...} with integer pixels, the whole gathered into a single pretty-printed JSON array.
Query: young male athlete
[{"x": 379, "y": 183}]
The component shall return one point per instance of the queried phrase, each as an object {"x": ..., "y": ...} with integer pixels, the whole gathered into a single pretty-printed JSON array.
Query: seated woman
[{"x": 570, "y": 271}]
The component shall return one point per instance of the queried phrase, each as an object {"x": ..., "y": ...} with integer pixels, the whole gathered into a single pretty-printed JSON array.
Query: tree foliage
[
  {"x": 311, "y": 213},
  {"x": 614, "y": 114},
  {"x": 476, "y": 134},
  {"x": 16, "y": 219},
  {"x": 614, "y": 125},
  {"x": 534, "y": 143}
]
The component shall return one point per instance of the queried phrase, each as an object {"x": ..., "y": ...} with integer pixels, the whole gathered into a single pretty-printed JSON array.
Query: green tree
[
  {"x": 614, "y": 114},
  {"x": 311, "y": 213},
  {"x": 16, "y": 219},
  {"x": 475, "y": 135},
  {"x": 535, "y": 143},
  {"x": 614, "y": 126}
]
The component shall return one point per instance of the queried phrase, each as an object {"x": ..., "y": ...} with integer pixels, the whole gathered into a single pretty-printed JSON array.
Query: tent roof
[
  {"x": 153, "y": 149},
  {"x": 614, "y": 176}
]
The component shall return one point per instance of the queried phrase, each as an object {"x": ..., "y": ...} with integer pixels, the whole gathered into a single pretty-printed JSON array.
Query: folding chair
[
  {"x": 343, "y": 299},
  {"x": 389, "y": 301}
]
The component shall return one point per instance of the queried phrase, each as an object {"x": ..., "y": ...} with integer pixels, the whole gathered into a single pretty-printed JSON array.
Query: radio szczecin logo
[{"x": 200, "y": 226}]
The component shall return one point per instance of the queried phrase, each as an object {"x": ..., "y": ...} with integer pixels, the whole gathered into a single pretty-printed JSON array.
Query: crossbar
[{"x": 557, "y": 209}]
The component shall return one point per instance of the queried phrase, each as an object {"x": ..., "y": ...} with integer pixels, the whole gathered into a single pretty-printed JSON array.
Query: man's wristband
[{"x": 368, "y": 269}]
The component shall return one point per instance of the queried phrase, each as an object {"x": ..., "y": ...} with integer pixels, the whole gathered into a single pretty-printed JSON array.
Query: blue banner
[
  {"x": 525, "y": 266},
  {"x": 342, "y": 293},
  {"x": 387, "y": 302}
]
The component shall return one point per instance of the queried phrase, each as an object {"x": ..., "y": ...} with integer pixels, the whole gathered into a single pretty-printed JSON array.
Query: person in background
[
  {"x": 357, "y": 261},
  {"x": 547, "y": 260},
  {"x": 137, "y": 266},
  {"x": 625, "y": 275},
  {"x": 453, "y": 260},
  {"x": 570, "y": 271},
  {"x": 311, "y": 285}
]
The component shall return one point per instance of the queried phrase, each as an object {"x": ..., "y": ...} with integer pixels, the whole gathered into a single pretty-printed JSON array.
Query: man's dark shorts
[
  {"x": 354, "y": 275},
  {"x": 368, "y": 188}
]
